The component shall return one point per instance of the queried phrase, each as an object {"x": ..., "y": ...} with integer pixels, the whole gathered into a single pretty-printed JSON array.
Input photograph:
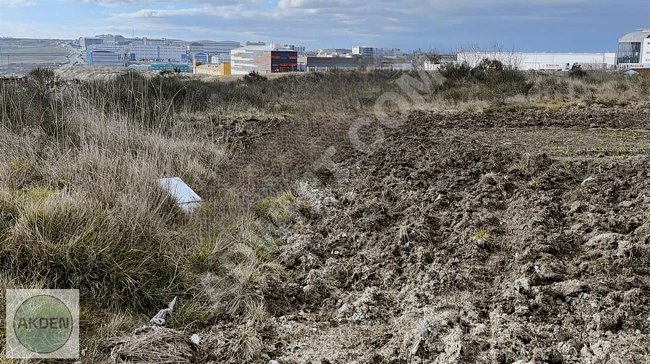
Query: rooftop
[
  {"x": 636, "y": 36},
  {"x": 254, "y": 48}
]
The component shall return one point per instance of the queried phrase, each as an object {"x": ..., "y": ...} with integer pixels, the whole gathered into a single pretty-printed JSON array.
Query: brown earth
[{"x": 494, "y": 238}]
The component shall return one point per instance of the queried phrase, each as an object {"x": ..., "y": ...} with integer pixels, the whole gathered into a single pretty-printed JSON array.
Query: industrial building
[
  {"x": 542, "y": 61},
  {"x": 634, "y": 49},
  {"x": 222, "y": 69},
  {"x": 218, "y": 49},
  {"x": 171, "y": 67},
  {"x": 345, "y": 63},
  {"x": 214, "y": 47},
  {"x": 262, "y": 60},
  {"x": 104, "y": 58}
]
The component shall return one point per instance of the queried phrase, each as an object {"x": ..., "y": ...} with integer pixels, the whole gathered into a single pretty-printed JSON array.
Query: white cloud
[
  {"x": 353, "y": 21},
  {"x": 18, "y": 3},
  {"x": 159, "y": 13},
  {"x": 357, "y": 19}
]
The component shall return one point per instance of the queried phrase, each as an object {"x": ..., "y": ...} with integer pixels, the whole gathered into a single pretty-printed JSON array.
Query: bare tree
[
  {"x": 511, "y": 59},
  {"x": 420, "y": 61},
  {"x": 474, "y": 54}
]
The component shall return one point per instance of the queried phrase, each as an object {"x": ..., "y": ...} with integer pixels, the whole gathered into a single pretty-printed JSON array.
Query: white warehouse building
[
  {"x": 542, "y": 61},
  {"x": 634, "y": 49}
]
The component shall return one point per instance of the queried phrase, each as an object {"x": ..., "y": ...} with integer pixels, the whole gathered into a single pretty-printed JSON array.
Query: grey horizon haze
[{"x": 533, "y": 25}]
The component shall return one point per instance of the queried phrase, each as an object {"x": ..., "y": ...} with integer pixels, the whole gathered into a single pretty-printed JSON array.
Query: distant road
[
  {"x": 18, "y": 55},
  {"x": 74, "y": 58}
]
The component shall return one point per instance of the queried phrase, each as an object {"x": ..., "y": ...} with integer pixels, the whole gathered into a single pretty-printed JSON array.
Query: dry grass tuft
[{"x": 153, "y": 344}]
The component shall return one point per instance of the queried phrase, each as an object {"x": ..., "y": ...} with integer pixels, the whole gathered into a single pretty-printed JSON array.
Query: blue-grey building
[{"x": 104, "y": 58}]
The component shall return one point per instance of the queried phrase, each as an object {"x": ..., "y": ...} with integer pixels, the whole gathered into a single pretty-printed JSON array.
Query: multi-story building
[
  {"x": 201, "y": 57},
  {"x": 85, "y": 42},
  {"x": 157, "y": 52},
  {"x": 219, "y": 47},
  {"x": 634, "y": 49},
  {"x": 262, "y": 60},
  {"x": 370, "y": 52},
  {"x": 363, "y": 51},
  {"x": 290, "y": 47},
  {"x": 284, "y": 61},
  {"x": 112, "y": 47},
  {"x": 300, "y": 49},
  {"x": 104, "y": 58},
  {"x": 151, "y": 42},
  {"x": 251, "y": 58},
  {"x": 194, "y": 47},
  {"x": 111, "y": 38},
  {"x": 388, "y": 52}
]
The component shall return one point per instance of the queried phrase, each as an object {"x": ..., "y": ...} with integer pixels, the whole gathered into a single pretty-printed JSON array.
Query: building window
[{"x": 629, "y": 52}]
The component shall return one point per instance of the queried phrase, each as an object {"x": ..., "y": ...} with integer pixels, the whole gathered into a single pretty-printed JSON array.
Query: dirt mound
[{"x": 476, "y": 238}]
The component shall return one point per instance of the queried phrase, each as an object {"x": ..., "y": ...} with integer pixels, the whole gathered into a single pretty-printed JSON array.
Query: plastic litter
[
  {"x": 196, "y": 339},
  {"x": 161, "y": 316},
  {"x": 185, "y": 197}
]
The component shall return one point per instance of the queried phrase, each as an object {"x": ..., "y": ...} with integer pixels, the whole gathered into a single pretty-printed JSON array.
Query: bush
[
  {"x": 254, "y": 77},
  {"x": 576, "y": 71},
  {"x": 552, "y": 86},
  {"x": 42, "y": 75},
  {"x": 454, "y": 72},
  {"x": 494, "y": 81}
]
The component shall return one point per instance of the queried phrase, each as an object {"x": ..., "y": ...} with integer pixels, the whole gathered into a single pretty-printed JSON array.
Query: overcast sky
[{"x": 525, "y": 25}]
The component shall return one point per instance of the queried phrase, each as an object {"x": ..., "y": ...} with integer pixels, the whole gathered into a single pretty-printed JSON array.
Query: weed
[
  {"x": 482, "y": 235},
  {"x": 277, "y": 210},
  {"x": 620, "y": 157},
  {"x": 535, "y": 182},
  {"x": 626, "y": 135}
]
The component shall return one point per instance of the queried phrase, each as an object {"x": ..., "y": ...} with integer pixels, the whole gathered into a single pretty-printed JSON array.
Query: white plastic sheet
[{"x": 186, "y": 198}]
